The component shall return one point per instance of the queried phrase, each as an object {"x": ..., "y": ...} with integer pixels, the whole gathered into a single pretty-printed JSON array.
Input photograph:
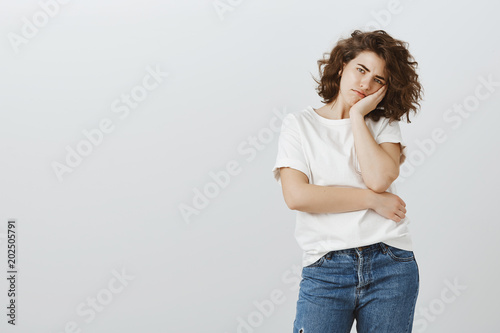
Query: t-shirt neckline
[{"x": 327, "y": 121}]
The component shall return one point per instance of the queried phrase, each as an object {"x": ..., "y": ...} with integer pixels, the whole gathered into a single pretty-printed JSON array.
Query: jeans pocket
[
  {"x": 400, "y": 254},
  {"x": 318, "y": 262}
]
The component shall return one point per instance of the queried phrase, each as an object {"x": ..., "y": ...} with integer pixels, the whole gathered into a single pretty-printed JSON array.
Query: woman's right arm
[{"x": 302, "y": 196}]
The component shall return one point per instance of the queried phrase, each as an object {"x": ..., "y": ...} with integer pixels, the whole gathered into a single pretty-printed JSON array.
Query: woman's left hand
[{"x": 369, "y": 103}]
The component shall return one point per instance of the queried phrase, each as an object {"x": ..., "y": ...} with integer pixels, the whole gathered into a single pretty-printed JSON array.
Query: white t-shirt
[{"x": 323, "y": 149}]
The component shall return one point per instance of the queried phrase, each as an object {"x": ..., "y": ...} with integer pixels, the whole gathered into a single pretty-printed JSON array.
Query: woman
[{"x": 336, "y": 165}]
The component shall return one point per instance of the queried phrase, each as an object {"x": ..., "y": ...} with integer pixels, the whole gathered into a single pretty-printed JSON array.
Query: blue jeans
[{"x": 377, "y": 285}]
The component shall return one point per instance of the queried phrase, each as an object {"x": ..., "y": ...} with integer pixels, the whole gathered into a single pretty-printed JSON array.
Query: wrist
[
  {"x": 371, "y": 198},
  {"x": 354, "y": 113}
]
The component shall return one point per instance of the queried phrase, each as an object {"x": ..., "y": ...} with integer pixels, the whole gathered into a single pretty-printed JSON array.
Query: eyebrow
[{"x": 366, "y": 69}]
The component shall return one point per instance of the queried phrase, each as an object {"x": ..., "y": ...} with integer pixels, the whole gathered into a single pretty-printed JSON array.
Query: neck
[{"x": 338, "y": 109}]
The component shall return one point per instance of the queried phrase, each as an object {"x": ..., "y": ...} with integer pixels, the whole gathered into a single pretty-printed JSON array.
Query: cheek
[
  {"x": 344, "y": 82},
  {"x": 348, "y": 80}
]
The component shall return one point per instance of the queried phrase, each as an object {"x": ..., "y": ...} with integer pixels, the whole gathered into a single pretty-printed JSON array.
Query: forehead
[{"x": 372, "y": 61}]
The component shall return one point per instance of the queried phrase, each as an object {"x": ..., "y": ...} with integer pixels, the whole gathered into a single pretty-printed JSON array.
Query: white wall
[{"x": 229, "y": 75}]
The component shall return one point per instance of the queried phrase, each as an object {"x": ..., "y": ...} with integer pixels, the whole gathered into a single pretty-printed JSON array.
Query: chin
[{"x": 354, "y": 101}]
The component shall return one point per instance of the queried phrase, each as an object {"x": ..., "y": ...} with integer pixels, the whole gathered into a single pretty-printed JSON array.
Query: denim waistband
[{"x": 361, "y": 249}]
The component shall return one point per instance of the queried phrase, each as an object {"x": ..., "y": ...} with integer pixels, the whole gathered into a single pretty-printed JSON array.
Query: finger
[
  {"x": 397, "y": 218},
  {"x": 383, "y": 90}
]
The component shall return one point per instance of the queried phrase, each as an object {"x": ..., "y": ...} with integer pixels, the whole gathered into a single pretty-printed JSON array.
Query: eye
[
  {"x": 378, "y": 81},
  {"x": 360, "y": 70}
]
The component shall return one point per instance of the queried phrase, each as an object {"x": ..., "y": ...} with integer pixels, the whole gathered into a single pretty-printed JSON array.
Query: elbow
[
  {"x": 292, "y": 207},
  {"x": 378, "y": 188},
  {"x": 292, "y": 203},
  {"x": 381, "y": 185},
  {"x": 293, "y": 200}
]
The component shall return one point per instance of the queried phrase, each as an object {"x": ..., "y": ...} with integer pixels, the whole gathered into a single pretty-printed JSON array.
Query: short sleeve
[
  {"x": 290, "y": 149},
  {"x": 391, "y": 132}
]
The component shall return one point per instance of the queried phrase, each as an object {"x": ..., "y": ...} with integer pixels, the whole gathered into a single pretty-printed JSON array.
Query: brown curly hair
[{"x": 403, "y": 88}]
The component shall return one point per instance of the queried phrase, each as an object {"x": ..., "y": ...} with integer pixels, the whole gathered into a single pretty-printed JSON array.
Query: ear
[{"x": 342, "y": 70}]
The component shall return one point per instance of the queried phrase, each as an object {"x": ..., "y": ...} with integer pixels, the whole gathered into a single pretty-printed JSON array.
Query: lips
[{"x": 359, "y": 93}]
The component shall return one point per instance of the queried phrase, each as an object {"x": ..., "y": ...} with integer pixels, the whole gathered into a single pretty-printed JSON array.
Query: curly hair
[{"x": 403, "y": 88}]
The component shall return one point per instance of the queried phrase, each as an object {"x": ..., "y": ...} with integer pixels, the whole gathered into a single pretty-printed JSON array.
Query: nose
[{"x": 366, "y": 84}]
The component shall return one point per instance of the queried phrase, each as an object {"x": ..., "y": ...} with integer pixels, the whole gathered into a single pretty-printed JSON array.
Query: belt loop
[{"x": 383, "y": 247}]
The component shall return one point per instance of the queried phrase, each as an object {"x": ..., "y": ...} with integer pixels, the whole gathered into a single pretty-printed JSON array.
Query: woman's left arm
[{"x": 379, "y": 163}]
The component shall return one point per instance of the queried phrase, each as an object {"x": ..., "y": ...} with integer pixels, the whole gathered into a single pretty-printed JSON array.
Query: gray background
[{"x": 229, "y": 75}]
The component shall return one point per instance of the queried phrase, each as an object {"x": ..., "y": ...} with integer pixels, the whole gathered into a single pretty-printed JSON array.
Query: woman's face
[{"x": 362, "y": 76}]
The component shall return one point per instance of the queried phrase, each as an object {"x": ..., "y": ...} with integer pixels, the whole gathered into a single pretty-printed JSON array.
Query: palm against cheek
[{"x": 370, "y": 102}]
